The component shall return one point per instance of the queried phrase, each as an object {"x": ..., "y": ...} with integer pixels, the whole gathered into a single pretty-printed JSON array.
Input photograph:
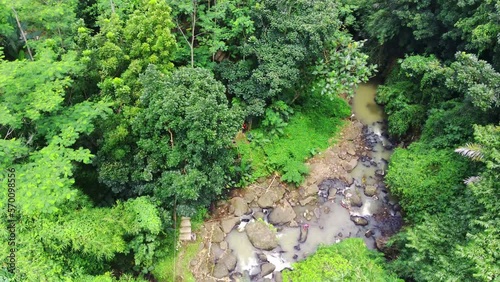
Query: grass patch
[
  {"x": 309, "y": 130},
  {"x": 169, "y": 267}
]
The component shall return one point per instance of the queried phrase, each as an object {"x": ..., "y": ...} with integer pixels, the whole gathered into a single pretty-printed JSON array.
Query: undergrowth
[
  {"x": 307, "y": 132},
  {"x": 177, "y": 265}
]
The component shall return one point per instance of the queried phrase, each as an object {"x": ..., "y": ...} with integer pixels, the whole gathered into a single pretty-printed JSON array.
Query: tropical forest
[{"x": 249, "y": 140}]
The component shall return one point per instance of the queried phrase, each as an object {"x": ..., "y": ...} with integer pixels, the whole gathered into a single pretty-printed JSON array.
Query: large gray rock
[
  {"x": 266, "y": 268},
  {"x": 282, "y": 214},
  {"x": 228, "y": 224},
  {"x": 261, "y": 236},
  {"x": 271, "y": 196},
  {"x": 240, "y": 206},
  {"x": 229, "y": 260}
]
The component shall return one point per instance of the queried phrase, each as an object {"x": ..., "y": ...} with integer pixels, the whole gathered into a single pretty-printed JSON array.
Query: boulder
[
  {"x": 358, "y": 220},
  {"x": 228, "y": 224},
  {"x": 240, "y": 206},
  {"x": 215, "y": 252},
  {"x": 220, "y": 271},
  {"x": 271, "y": 196},
  {"x": 266, "y": 268},
  {"x": 229, "y": 260},
  {"x": 249, "y": 196},
  {"x": 261, "y": 236},
  {"x": 282, "y": 214},
  {"x": 370, "y": 190}
]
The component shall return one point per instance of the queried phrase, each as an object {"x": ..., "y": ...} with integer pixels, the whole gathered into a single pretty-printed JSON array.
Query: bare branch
[{"x": 22, "y": 33}]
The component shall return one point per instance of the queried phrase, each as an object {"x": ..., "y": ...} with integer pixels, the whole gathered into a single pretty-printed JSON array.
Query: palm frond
[
  {"x": 472, "y": 179},
  {"x": 472, "y": 151}
]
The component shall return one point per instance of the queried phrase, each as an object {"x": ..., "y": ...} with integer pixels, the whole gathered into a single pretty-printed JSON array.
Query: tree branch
[{"x": 22, "y": 33}]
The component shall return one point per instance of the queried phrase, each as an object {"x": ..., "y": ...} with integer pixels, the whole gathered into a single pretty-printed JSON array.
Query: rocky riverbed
[{"x": 267, "y": 226}]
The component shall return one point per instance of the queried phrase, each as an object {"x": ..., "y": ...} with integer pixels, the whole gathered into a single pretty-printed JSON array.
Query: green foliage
[
  {"x": 308, "y": 131},
  {"x": 278, "y": 59},
  {"x": 348, "y": 260},
  {"x": 425, "y": 179},
  {"x": 186, "y": 129},
  {"x": 48, "y": 24},
  {"x": 424, "y": 91},
  {"x": 276, "y": 117}
]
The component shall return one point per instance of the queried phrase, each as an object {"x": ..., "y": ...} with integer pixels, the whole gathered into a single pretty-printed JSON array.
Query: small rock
[
  {"x": 259, "y": 215},
  {"x": 349, "y": 166},
  {"x": 326, "y": 210},
  {"x": 295, "y": 256},
  {"x": 369, "y": 233},
  {"x": 358, "y": 220},
  {"x": 262, "y": 257},
  {"x": 215, "y": 252},
  {"x": 282, "y": 214},
  {"x": 340, "y": 234},
  {"x": 355, "y": 200},
  {"x": 370, "y": 190},
  {"x": 271, "y": 196},
  {"x": 317, "y": 213},
  {"x": 308, "y": 200},
  {"x": 240, "y": 206},
  {"x": 332, "y": 192},
  {"x": 218, "y": 235},
  {"x": 348, "y": 178},
  {"x": 278, "y": 277},
  {"x": 380, "y": 172},
  {"x": 351, "y": 152},
  {"x": 311, "y": 190},
  {"x": 223, "y": 245},
  {"x": 267, "y": 268},
  {"x": 293, "y": 223},
  {"x": 249, "y": 196},
  {"x": 381, "y": 243}
]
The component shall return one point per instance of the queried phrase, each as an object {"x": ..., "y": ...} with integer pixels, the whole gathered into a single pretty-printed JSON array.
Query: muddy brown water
[{"x": 332, "y": 226}]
